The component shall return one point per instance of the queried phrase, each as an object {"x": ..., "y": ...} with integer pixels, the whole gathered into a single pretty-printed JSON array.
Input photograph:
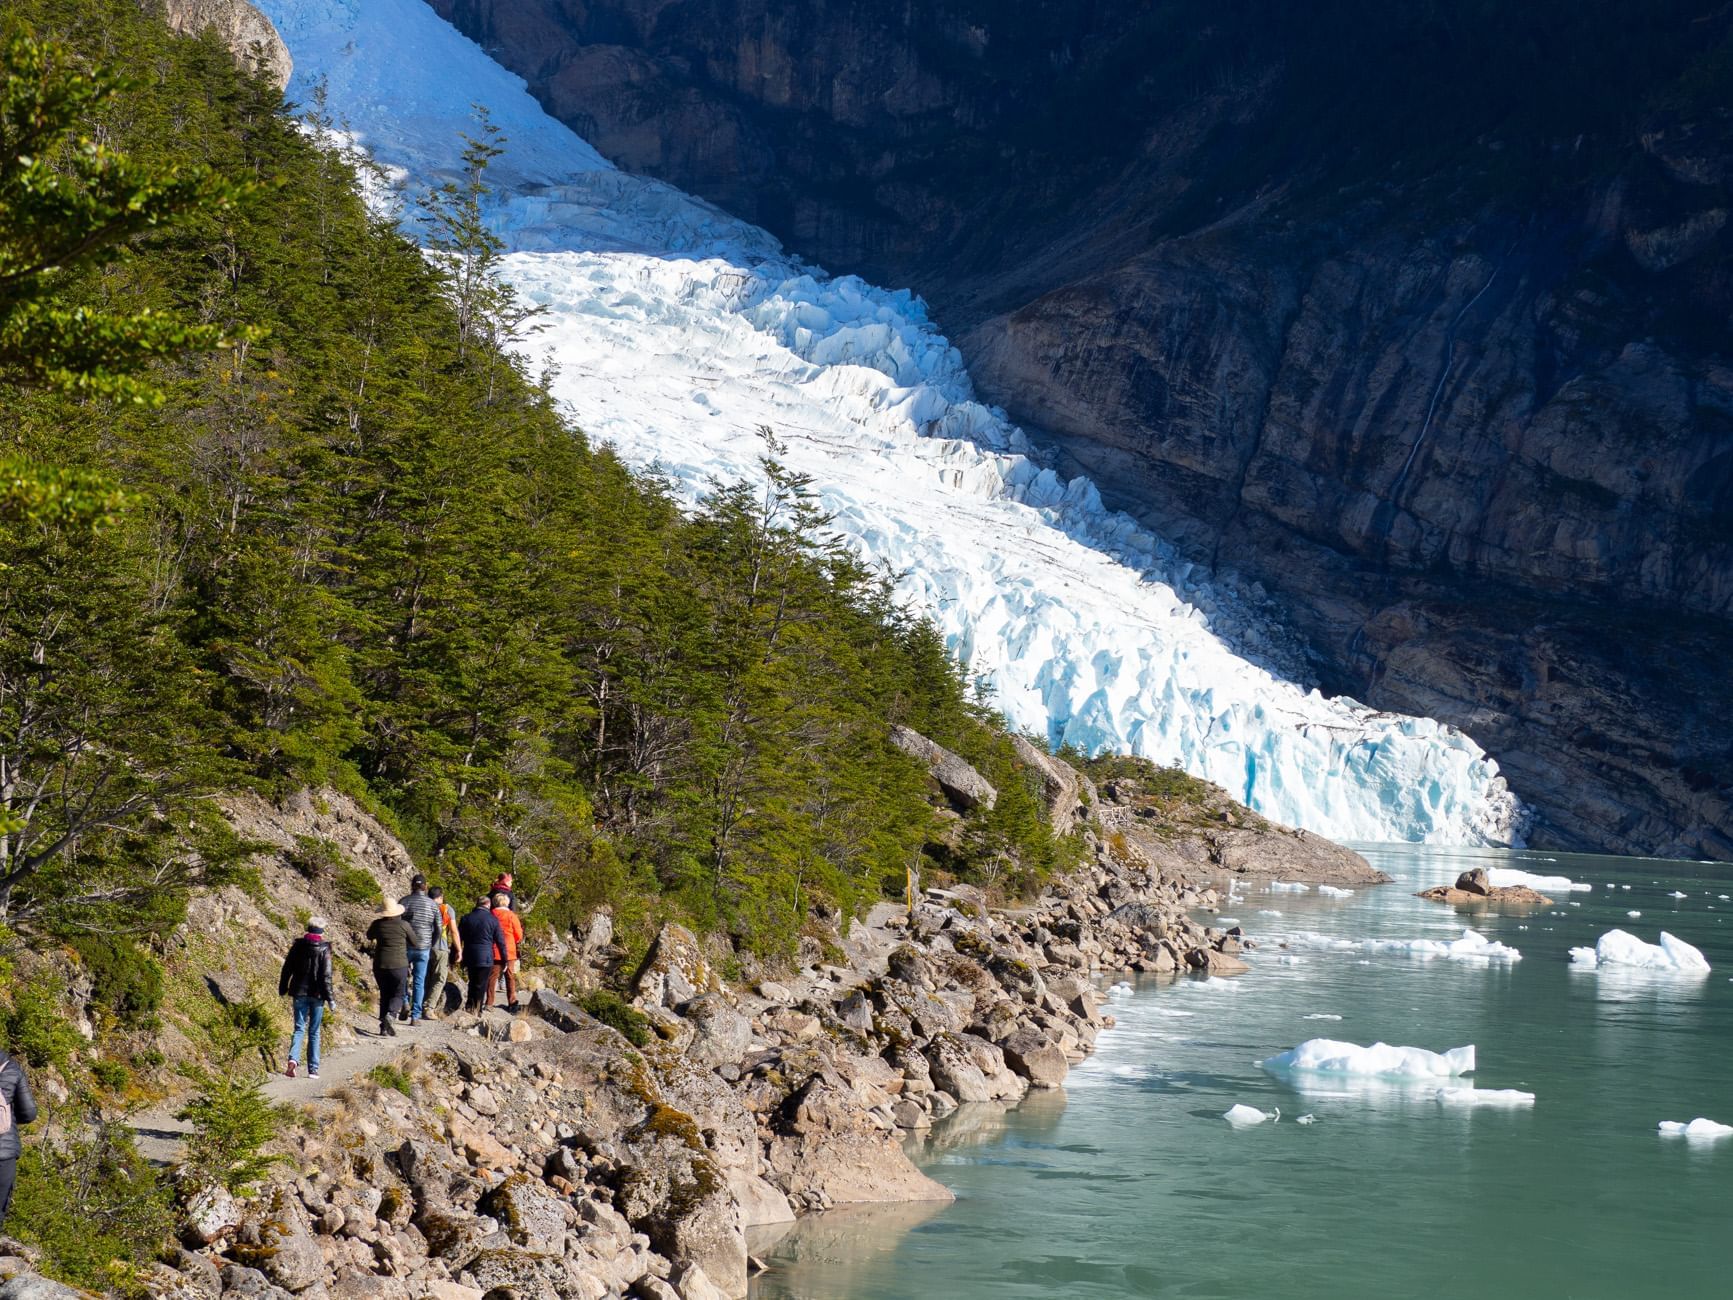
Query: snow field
[{"x": 679, "y": 331}]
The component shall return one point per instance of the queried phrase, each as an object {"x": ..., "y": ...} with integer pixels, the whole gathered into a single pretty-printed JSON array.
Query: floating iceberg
[
  {"x": 1244, "y": 1116},
  {"x": 1331, "y": 1056},
  {"x": 1472, "y": 946},
  {"x": 1484, "y": 1097},
  {"x": 677, "y": 332},
  {"x": 1621, "y": 948},
  {"x": 1333, "y": 891},
  {"x": 1322, "y": 1015},
  {"x": 1307, "y": 1119},
  {"x": 1288, "y": 887},
  {"x": 1697, "y": 1129},
  {"x": 1506, "y": 877}
]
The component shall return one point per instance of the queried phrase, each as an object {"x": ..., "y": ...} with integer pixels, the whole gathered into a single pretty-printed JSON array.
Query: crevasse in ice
[{"x": 679, "y": 331}]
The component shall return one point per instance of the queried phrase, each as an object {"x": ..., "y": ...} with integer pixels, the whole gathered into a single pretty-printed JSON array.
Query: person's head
[
  {"x": 316, "y": 926},
  {"x": 505, "y": 878},
  {"x": 436, "y": 893},
  {"x": 391, "y": 908},
  {"x": 418, "y": 884},
  {"x": 486, "y": 903},
  {"x": 500, "y": 900}
]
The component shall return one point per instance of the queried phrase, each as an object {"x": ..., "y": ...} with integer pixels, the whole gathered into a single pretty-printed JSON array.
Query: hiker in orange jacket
[{"x": 513, "y": 931}]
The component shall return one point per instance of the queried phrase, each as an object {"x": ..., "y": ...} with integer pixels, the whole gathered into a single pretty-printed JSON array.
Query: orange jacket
[{"x": 513, "y": 929}]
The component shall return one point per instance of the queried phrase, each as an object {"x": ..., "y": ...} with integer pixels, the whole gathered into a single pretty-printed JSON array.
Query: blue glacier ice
[{"x": 680, "y": 331}]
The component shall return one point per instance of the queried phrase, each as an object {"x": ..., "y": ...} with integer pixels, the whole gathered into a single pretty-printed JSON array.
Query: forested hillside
[{"x": 358, "y": 547}]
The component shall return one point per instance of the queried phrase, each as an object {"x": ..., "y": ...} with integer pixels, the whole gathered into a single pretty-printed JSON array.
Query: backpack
[{"x": 5, "y": 1099}]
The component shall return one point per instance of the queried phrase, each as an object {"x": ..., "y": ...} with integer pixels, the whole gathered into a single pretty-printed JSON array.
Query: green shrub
[
  {"x": 92, "y": 1205},
  {"x": 237, "y": 1029},
  {"x": 357, "y": 886},
  {"x": 617, "y": 1013},
  {"x": 387, "y": 1075},
  {"x": 37, "y": 1028},
  {"x": 112, "y": 1075},
  {"x": 127, "y": 980},
  {"x": 232, "y": 1121},
  {"x": 316, "y": 857}
]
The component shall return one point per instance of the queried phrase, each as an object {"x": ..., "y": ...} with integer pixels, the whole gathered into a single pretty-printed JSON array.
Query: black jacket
[
  {"x": 480, "y": 933},
  {"x": 306, "y": 970},
  {"x": 15, "y": 1088},
  {"x": 392, "y": 939}
]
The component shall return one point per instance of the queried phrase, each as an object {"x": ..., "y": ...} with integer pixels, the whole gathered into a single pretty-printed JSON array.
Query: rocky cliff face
[
  {"x": 246, "y": 31},
  {"x": 1421, "y": 319}
]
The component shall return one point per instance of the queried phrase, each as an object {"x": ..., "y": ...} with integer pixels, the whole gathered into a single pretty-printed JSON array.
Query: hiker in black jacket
[
  {"x": 17, "y": 1107},
  {"x": 306, "y": 978},
  {"x": 482, "y": 937},
  {"x": 390, "y": 939}
]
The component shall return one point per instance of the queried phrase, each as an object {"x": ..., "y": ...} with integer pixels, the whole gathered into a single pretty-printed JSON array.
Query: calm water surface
[{"x": 1128, "y": 1183}]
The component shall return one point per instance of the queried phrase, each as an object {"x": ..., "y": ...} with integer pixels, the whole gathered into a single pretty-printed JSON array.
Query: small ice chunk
[
  {"x": 1330, "y": 1055},
  {"x": 1622, "y": 948},
  {"x": 1227, "y": 920},
  {"x": 1471, "y": 946},
  {"x": 1503, "y": 877},
  {"x": 1677, "y": 894},
  {"x": 1698, "y": 1128},
  {"x": 1241, "y": 1115},
  {"x": 1268, "y": 912},
  {"x": 1484, "y": 1097},
  {"x": 1331, "y": 891},
  {"x": 1322, "y": 1015},
  {"x": 1633, "y": 915},
  {"x": 1121, "y": 989},
  {"x": 1288, "y": 887},
  {"x": 1307, "y": 1119}
]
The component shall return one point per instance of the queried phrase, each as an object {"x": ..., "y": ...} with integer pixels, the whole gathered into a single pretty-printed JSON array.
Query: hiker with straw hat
[{"x": 389, "y": 939}]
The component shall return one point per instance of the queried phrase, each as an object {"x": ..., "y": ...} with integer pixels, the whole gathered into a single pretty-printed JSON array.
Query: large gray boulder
[
  {"x": 721, "y": 1034},
  {"x": 249, "y": 35},
  {"x": 1069, "y": 794},
  {"x": 674, "y": 970},
  {"x": 962, "y": 784}
]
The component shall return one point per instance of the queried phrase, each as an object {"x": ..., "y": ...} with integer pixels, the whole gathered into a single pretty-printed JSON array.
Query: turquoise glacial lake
[{"x": 1128, "y": 1182}]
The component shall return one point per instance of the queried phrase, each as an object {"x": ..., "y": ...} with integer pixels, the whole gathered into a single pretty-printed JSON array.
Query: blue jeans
[
  {"x": 417, "y": 980},
  {"x": 309, "y": 1015}
]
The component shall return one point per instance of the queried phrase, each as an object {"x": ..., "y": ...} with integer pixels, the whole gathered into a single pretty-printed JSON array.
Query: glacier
[{"x": 678, "y": 333}]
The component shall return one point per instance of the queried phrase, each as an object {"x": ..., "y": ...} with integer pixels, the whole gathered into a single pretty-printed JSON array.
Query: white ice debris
[
  {"x": 1307, "y": 1119},
  {"x": 1633, "y": 915},
  {"x": 1333, "y": 891},
  {"x": 1268, "y": 911},
  {"x": 1331, "y": 1056},
  {"x": 1484, "y": 1097},
  {"x": 1505, "y": 877},
  {"x": 1622, "y": 948},
  {"x": 1322, "y": 1015},
  {"x": 1241, "y": 1115},
  {"x": 1472, "y": 946},
  {"x": 1288, "y": 887},
  {"x": 1698, "y": 1129},
  {"x": 1227, "y": 920},
  {"x": 1678, "y": 894},
  {"x": 678, "y": 331}
]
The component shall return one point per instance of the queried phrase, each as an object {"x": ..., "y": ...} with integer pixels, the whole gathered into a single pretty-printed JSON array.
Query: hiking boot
[
  {"x": 403, "y": 1015},
  {"x": 289, "y": 1069},
  {"x": 414, "y": 1021},
  {"x": 387, "y": 1029}
]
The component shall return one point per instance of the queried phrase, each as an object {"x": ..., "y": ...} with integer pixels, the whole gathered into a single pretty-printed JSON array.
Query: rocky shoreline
[
  {"x": 574, "y": 1164},
  {"x": 550, "y": 1156}
]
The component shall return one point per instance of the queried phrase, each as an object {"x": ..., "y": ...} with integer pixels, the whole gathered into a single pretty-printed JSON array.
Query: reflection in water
[{"x": 813, "y": 1253}]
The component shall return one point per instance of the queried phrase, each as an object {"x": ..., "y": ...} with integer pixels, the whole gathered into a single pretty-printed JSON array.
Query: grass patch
[
  {"x": 617, "y": 1013},
  {"x": 390, "y": 1076}
]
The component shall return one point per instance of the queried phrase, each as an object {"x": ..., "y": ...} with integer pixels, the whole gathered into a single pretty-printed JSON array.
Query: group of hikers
[{"x": 415, "y": 943}]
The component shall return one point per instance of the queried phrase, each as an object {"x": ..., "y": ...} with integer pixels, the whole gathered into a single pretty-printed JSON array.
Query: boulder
[
  {"x": 211, "y": 1212},
  {"x": 526, "y": 1211},
  {"x": 1475, "y": 882},
  {"x": 674, "y": 970},
  {"x": 280, "y": 1244},
  {"x": 28, "y": 1286},
  {"x": 954, "y": 1070},
  {"x": 1207, "y": 961},
  {"x": 962, "y": 784},
  {"x": 1069, "y": 794},
  {"x": 248, "y": 34},
  {"x": 1033, "y": 1056},
  {"x": 721, "y": 1035}
]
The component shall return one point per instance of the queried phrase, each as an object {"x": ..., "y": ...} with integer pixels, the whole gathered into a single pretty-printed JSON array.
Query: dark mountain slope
[{"x": 1418, "y": 314}]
